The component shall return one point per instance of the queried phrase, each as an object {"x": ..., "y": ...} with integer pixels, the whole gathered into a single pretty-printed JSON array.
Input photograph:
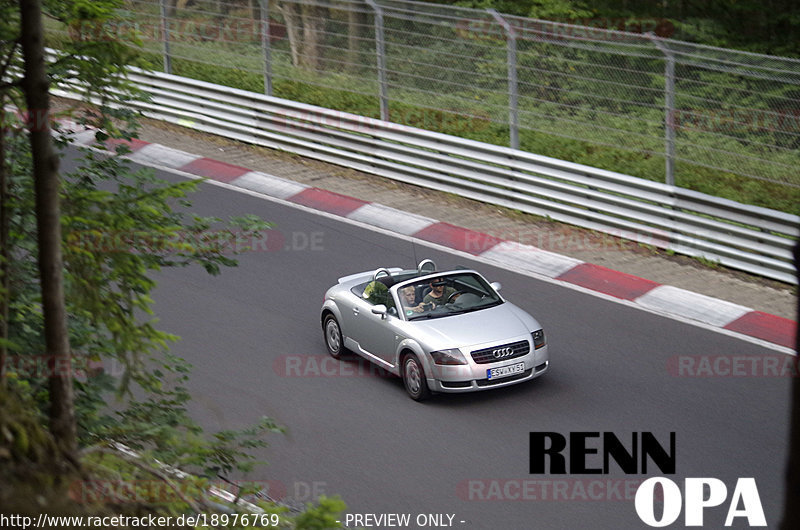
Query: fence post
[
  {"x": 669, "y": 107},
  {"x": 165, "y": 36},
  {"x": 380, "y": 50},
  {"x": 266, "y": 46},
  {"x": 511, "y": 59}
]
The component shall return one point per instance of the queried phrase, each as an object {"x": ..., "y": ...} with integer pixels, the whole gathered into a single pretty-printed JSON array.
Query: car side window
[
  {"x": 391, "y": 308},
  {"x": 375, "y": 293},
  {"x": 358, "y": 290}
]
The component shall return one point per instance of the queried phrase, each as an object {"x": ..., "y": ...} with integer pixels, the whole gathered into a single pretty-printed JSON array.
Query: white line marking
[
  {"x": 510, "y": 267},
  {"x": 269, "y": 185},
  {"x": 391, "y": 218},
  {"x": 164, "y": 156},
  {"x": 692, "y": 305},
  {"x": 531, "y": 258}
]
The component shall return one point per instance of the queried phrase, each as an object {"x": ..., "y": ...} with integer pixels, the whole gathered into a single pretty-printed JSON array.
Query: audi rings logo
[{"x": 499, "y": 353}]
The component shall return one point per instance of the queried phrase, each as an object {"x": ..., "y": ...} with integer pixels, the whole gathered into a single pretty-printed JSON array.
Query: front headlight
[
  {"x": 538, "y": 339},
  {"x": 451, "y": 356}
]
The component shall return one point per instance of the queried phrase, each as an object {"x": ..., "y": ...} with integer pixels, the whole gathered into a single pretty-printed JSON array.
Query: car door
[
  {"x": 378, "y": 332},
  {"x": 353, "y": 314}
]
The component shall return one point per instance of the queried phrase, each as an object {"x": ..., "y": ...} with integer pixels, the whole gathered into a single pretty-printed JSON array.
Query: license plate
[{"x": 505, "y": 371}]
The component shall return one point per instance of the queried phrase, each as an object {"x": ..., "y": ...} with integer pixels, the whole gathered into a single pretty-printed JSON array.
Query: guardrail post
[
  {"x": 380, "y": 50},
  {"x": 266, "y": 46},
  {"x": 165, "y": 37},
  {"x": 669, "y": 108},
  {"x": 511, "y": 59}
]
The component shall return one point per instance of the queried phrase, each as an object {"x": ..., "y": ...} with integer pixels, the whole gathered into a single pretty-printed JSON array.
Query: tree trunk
[
  {"x": 173, "y": 6},
  {"x": 304, "y": 26},
  {"x": 356, "y": 21},
  {"x": 5, "y": 253},
  {"x": 48, "y": 221},
  {"x": 291, "y": 15},
  {"x": 313, "y": 25}
]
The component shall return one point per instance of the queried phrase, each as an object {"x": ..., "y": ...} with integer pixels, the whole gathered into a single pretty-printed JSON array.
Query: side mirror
[
  {"x": 380, "y": 309},
  {"x": 496, "y": 286}
]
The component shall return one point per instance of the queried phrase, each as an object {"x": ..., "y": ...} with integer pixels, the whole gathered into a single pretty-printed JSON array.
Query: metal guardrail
[{"x": 753, "y": 239}]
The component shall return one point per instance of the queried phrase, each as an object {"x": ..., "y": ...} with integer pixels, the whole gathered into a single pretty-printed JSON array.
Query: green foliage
[
  {"x": 575, "y": 103},
  {"x": 22, "y": 439},
  {"x": 556, "y": 139},
  {"x": 324, "y": 516},
  {"x": 232, "y": 77},
  {"x": 31, "y": 477},
  {"x": 560, "y": 10},
  {"x": 769, "y": 26},
  {"x": 118, "y": 227},
  {"x": 113, "y": 242},
  {"x": 115, "y": 481}
]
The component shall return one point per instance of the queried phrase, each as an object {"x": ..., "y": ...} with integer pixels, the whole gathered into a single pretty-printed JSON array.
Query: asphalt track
[{"x": 254, "y": 338}]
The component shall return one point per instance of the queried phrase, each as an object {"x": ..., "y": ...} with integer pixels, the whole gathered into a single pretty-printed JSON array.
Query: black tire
[
  {"x": 332, "y": 334},
  {"x": 414, "y": 378}
]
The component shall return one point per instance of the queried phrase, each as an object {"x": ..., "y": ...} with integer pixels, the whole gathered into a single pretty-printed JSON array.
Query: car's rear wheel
[
  {"x": 333, "y": 337},
  {"x": 414, "y": 378}
]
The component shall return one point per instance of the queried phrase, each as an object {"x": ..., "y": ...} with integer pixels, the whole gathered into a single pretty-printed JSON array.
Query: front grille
[
  {"x": 490, "y": 382},
  {"x": 456, "y": 384},
  {"x": 486, "y": 355}
]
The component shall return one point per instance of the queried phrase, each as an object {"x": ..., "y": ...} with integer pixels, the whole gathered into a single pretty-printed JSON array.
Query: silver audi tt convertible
[{"x": 440, "y": 331}]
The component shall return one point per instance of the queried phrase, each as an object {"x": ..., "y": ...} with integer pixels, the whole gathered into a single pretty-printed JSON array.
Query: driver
[{"x": 440, "y": 293}]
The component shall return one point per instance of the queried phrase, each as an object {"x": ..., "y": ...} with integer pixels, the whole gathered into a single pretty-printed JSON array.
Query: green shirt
[{"x": 439, "y": 301}]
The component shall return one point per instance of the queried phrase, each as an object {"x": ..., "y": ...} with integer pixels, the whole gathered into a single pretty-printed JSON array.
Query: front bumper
[{"x": 472, "y": 377}]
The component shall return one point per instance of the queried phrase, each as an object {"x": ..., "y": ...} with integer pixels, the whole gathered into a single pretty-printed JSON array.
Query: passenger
[{"x": 408, "y": 296}]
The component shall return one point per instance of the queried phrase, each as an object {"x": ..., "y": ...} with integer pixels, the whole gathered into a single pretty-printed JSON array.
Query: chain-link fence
[{"x": 638, "y": 103}]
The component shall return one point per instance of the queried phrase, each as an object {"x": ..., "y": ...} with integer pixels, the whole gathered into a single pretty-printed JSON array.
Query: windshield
[{"x": 446, "y": 295}]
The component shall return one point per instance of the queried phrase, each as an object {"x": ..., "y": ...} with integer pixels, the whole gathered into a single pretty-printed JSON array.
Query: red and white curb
[{"x": 647, "y": 294}]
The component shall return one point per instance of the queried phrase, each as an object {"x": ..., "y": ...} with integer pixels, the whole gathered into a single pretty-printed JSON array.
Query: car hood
[{"x": 486, "y": 326}]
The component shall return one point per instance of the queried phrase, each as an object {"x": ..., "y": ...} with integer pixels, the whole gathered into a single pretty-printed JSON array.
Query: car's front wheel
[
  {"x": 333, "y": 337},
  {"x": 414, "y": 378}
]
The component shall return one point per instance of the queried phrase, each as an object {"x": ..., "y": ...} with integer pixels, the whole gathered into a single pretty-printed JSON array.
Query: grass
[
  {"x": 631, "y": 145},
  {"x": 600, "y": 153}
]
